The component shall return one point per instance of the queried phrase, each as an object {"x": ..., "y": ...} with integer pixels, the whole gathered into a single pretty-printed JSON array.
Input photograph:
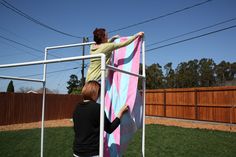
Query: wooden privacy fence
[
  {"x": 217, "y": 104},
  {"x": 18, "y": 108}
]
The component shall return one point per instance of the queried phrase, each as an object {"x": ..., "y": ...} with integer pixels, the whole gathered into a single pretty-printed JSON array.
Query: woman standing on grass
[
  {"x": 105, "y": 46},
  {"x": 86, "y": 118}
]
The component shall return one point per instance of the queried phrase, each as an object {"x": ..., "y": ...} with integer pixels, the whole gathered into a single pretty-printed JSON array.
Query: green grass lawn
[{"x": 161, "y": 141}]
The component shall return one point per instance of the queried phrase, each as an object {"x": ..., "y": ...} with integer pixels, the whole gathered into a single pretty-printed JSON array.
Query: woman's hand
[
  {"x": 113, "y": 38},
  {"x": 123, "y": 110},
  {"x": 141, "y": 34},
  {"x": 116, "y": 37}
]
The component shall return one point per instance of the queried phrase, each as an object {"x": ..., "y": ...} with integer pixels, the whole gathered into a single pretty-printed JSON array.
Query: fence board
[
  {"x": 205, "y": 103},
  {"x": 216, "y": 104},
  {"x": 18, "y": 108}
]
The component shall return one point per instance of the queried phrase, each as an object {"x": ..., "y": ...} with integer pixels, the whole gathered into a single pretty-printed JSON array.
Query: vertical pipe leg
[
  {"x": 101, "y": 143},
  {"x": 43, "y": 104}
]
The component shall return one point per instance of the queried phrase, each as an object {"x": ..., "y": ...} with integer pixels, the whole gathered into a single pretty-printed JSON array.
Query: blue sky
[{"x": 80, "y": 18}]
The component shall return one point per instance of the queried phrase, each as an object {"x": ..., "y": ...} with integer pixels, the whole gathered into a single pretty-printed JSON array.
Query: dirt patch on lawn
[
  {"x": 149, "y": 120},
  {"x": 191, "y": 124},
  {"x": 47, "y": 124}
]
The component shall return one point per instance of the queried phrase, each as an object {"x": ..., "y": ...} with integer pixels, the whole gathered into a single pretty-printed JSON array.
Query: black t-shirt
[{"x": 86, "y": 118}]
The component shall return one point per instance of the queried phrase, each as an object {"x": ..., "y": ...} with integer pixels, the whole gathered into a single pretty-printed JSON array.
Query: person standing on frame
[{"x": 105, "y": 46}]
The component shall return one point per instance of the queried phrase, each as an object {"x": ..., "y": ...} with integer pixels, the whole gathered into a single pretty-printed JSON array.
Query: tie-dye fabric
[{"x": 121, "y": 89}]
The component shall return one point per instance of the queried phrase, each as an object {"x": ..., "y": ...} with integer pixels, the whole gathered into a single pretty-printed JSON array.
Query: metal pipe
[
  {"x": 42, "y": 123},
  {"x": 103, "y": 70},
  {"x": 69, "y": 45},
  {"x": 123, "y": 71},
  {"x": 144, "y": 97},
  {"x": 43, "y": 103},
  {"x": 20, "y": 78},
  {"x": 45, "y": 62},
  {"x": 143, "y": 58},
  {"x": 50, "y": 61}
]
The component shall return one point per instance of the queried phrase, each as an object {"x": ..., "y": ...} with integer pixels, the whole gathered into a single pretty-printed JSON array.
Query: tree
[
  {"x": 207, "y": 72},
  {"x": 192, "y": 75},
  {"x": 48, "y": 91},
  {"x": 140, "y": 81},
  {"x": 25, "y": 89},
  {"x": 225, "y": 71},
  {"x": 73, "y": 83},
  {"x": 233, "y": 70},
  {"x": 181, "y": 79},
  {"x": 154, "y": 76},
  {"x": 79, "y": 87},
  {"x": 169, "y": 76},
  {"x": 222, "y": 72},
  {"x": 10, "y": 87}
]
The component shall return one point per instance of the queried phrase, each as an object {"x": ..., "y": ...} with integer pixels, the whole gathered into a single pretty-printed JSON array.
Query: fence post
[
  {"x": 195, "y": 104},
  {"x": 164, "y": 103},
  {"x": 231, "y": 116}
]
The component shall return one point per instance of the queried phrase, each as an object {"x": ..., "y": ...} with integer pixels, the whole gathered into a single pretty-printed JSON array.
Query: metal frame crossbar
[{"x": 103, "y": 70}]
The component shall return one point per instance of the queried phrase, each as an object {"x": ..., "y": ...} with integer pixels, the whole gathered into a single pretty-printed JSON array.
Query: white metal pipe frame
[{"x": 103, "y": 70}]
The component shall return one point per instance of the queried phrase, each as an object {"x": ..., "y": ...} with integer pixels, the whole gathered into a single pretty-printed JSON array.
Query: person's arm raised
[
  {"x": 130, "y": 40},
  {"x": 113, "y": 38}
]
